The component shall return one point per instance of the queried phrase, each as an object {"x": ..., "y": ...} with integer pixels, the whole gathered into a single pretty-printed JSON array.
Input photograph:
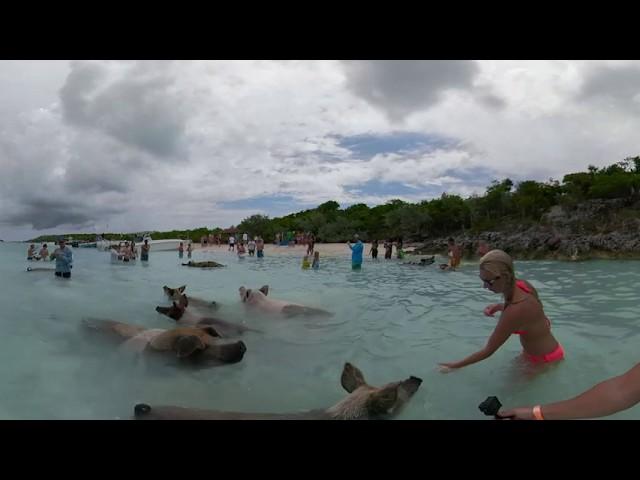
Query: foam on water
[{"x": 391, "y": 321}]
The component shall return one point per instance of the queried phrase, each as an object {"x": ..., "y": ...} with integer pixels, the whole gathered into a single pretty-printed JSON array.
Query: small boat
[
  {"x": 102, "y": 244},
  {"x": 162, "y": 245}
]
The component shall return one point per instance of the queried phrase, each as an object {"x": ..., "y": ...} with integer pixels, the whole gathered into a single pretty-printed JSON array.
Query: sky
[{"x": 132, "y": 146}]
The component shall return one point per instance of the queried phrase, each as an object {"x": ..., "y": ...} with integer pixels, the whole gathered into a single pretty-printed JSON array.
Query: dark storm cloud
[
  {"x": 615, "y": 84},
  {"x": 401, "y": 87},
  {"x": 138, "y": 109},
  {"x": 48, "y": 213}
]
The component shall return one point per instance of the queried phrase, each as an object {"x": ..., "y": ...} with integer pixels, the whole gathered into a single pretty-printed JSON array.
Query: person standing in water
[
  {"x": 232, "y": 242},
  {"x": 260, "y": 247},
  {"x": 240, "y": 249},
  {"x": 311, "y": 239},
  {"x": 144, "y": 251},
  {"x": 305, "y": 262},
  {"x": 399, "y": 250},
  {"x": 388, "y": 247},
  {"x": 64, "y": 260},
  {"x": 374, "y": 249},
  {"x": 454, "y": 253},
  {"x": 356, "y": 253},
  {"x": 316, "y": 261},
  {"x": 181, "y": 250},
  {"x": 522, "y": 315},
  {"x": 252, "y": 247},
  {"x": 31, "y": 252},
  {"x": 44, "y": 253},
  {"x": 189, "y": 250}
]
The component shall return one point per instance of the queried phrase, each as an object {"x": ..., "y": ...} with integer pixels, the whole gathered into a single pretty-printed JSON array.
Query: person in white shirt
[{"x": 251, "y": 247}]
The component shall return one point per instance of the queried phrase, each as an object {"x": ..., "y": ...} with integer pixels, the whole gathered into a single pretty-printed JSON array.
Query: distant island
[{"x": 590, "y": 214}]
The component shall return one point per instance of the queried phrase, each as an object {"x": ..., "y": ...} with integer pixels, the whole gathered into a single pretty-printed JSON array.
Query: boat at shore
[{"x": 164, "y": 245}]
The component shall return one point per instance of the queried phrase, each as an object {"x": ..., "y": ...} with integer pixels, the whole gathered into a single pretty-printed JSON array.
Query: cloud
[
  {"x": 618, "y": 85},
  {"x": 164, "y": 145},
  {"x": 139, "y": 107},
  {"x": 401, "y": 87},
  {"x": 43, "y": 213}
]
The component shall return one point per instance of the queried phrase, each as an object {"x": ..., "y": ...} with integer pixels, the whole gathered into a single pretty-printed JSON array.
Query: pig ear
[
  {"x": 264, "y": 289},
  {"x": 352, "y": 378},
  {"x": 182, "y": 288},
  {"x": 383, "y": 400}
]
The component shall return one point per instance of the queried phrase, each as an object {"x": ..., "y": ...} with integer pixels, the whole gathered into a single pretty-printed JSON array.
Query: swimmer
[
  {"x": 522, "y": 314},
  {"x": 305, "y": 262}
]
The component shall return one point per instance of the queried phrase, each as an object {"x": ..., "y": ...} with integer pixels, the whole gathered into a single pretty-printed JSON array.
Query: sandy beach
[{"x": 325, "y": 249}]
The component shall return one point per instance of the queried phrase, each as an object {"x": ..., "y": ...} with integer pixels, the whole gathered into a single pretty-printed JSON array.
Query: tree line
[{"x": 504, "y": 202}]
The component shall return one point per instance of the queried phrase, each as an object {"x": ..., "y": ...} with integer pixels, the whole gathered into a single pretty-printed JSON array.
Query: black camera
[{"x": 491, "y": 406}]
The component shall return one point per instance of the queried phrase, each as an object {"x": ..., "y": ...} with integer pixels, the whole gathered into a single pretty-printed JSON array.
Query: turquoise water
[{"x": 391, "y": 321}]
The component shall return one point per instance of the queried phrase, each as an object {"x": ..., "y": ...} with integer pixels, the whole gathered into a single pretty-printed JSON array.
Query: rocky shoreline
[{"x": 606, "y": 229}]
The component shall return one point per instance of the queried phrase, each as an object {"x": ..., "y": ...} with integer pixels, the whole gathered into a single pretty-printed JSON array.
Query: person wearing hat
[
  {"x": 64, "y": 259},
  {"x": 356, "y": 252}
]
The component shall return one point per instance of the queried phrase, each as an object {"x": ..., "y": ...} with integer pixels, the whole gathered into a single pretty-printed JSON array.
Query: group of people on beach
[{"x": 254, "y": 246}]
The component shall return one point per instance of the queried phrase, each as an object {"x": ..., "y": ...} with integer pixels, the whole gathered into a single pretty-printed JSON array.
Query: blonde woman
[{"x": 522, "y": 315}]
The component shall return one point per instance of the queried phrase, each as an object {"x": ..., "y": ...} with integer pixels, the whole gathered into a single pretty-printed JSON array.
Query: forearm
[
  {"x": 473, "y": 358},
  {"x": 604, "y": 399}
]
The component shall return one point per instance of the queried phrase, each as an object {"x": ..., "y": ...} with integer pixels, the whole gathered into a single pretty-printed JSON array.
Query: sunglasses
[{"x": 490, "y": 282}]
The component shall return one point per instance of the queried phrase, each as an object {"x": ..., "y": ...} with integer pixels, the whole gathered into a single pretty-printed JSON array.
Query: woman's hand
[
  {"x": 522, "y": 413},
  {"x": 490, "y": 310},
  {"x": 447, "y": 367}
]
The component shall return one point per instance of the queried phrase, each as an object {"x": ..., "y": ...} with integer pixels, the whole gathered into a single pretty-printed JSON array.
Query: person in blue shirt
[
  {"x": 64, "y": 260},
  {"x": 356, "y": 253}
]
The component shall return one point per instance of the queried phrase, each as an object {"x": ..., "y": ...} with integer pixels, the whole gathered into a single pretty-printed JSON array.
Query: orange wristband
[{"x": 537, "y": 413}]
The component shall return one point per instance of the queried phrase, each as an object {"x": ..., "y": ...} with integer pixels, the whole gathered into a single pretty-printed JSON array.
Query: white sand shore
[{"x": 325, "y": 249}]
